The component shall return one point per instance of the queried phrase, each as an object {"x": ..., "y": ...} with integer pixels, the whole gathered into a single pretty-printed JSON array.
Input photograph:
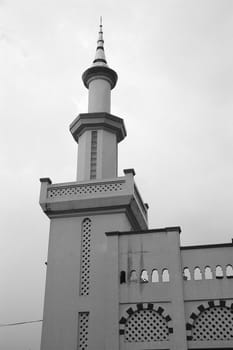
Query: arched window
[
  {"x": 197, "y": 274},
  {"x": 213, "y": 324},
  {"x": 208, "y": 273},
  {"x": 186, "y": 274},
  {"x": 122, "y": 277},
  {"x": 144, "y": 277},
  {"x": 219, "y": 272},
  {"x": 133, "y": 276},
  {"x": 155, "y": 276},
  {"x": 229, "y": 271},
  {"x": 146, "y": 326},
  {"x": 165, "y": 275}
]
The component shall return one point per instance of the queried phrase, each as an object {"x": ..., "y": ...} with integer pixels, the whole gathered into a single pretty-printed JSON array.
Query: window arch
[
  {"x": 133, "y": 276},
  {"x": 122, "y": 277},
  {"x": 165, "y": 275},
  {"x": 186, "y": 274},
  {"x": 144, "y": 278},
  {"x": 146, "y": 326},
  {"x": 155, "y": 276},
  {"x": 208, "y": 273},
  {"x": 145, "y": 322},
  {"x": 214, "y": 323},
  {"x": 229, "y": 271},
  {"x": 197, "y": 274},
  {"x": 219, "y": 272}
]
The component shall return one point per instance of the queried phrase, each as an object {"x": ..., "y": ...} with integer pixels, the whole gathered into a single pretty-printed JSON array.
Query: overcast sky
[{"x": 174, "y": 62}]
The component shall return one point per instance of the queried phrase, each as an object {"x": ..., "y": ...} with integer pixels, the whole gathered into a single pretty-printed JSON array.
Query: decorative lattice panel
[
  {"x": 84, "y": 189},
  {"x": 83, "y": 330},
  {"x": 85, "y": 257},
  {"x": 93, "y": 164},
  {"x": 215, "y": 323},
  {"x": 146, "y": 326}
]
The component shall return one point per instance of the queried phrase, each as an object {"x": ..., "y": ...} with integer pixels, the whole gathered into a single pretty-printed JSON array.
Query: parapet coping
[
  {"x": 206, "y": 246},
  {"x": 164, "y": 229}
]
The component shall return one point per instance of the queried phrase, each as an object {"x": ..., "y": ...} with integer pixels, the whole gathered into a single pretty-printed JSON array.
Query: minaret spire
[
  {"x": 100, "y": 58},
  {"x": 99, "y": 69}
]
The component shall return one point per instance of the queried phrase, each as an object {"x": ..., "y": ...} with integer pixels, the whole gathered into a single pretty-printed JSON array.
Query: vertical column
[
  {"x": 178, "y": 339},
  {"x": 112, "y": 292}
]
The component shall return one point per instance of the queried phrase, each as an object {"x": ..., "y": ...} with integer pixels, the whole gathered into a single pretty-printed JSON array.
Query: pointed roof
[
  {"x": 100, "y": 59},
  {"x": 100, "y": 68}
]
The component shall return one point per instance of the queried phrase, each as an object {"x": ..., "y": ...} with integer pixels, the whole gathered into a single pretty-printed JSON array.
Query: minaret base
[{"x": 78, "y": 257}]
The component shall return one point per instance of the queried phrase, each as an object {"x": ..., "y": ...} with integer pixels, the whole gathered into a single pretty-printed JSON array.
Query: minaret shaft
[
  {"x": 97, "y": 160},
  {"x": 99, "y": 97}
]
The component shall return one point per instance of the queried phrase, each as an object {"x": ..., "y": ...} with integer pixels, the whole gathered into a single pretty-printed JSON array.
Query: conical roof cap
[
  {"x": 100, "y": 59},
  {"x": 100, "y": 68}
]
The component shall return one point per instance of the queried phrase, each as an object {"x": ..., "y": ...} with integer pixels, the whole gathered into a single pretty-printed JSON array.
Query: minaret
[
  {"x": 81, "y": 306},
  {"x": 98, "y": 132}
]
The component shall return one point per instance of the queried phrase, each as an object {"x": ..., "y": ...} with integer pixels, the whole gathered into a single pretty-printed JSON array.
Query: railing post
[
  {"x": 45, "y": 181},
  {"x": 129, "y": 174}
]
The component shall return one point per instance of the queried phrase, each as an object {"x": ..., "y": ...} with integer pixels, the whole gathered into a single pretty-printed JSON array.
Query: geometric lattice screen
[
  {"x": 83, "y": 331},
  {"x": 93, "y": 164},
  {"x": 85, "y": 257},
  {"x": 215, "y": 323},
  {"x": 146, "y": 326},
  {"x": 74, "y": 190}
]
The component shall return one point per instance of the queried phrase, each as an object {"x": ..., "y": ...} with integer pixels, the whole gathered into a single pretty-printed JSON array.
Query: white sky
[{"x": 174, "y": 62}]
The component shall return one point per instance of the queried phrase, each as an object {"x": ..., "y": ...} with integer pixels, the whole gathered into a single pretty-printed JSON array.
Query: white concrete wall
[
  {"x": 214, "y": 288},
  {"x": 106, "y": 155},
  {"x": 84, "y": 155},
  {"x": 62, "y": 299},
  {"x": 155, "y": 250}
]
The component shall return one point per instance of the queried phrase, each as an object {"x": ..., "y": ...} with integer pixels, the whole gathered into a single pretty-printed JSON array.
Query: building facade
[{"x": 112, "y": 283}]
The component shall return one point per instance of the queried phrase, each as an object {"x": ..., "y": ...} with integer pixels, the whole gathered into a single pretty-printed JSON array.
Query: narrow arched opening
[
  {"x": 208, "y": 273},
  {"x": 197, "y": 274},
  {"x": 155, "y": 276},
  {"x": 133, "y": 276},
  {"x": 122, "y": 277},
  {"x": 229, "y": 271},
  {"x": 144, "y": 278},
  {"x": 165, "y": 275},
  {"x": 219, "y": 272}
]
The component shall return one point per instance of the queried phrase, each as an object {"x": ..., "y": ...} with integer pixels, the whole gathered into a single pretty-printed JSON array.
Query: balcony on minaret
[{"x": 109, "y": 194}]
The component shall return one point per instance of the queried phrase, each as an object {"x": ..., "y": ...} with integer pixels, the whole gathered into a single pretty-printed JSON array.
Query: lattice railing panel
[{"x": 84, "y": 189}]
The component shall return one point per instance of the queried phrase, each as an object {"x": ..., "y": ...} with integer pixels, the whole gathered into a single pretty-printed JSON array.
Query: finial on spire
[
  {"x": 100, "y": 67},
  {"x": 100, "y": 59}
]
